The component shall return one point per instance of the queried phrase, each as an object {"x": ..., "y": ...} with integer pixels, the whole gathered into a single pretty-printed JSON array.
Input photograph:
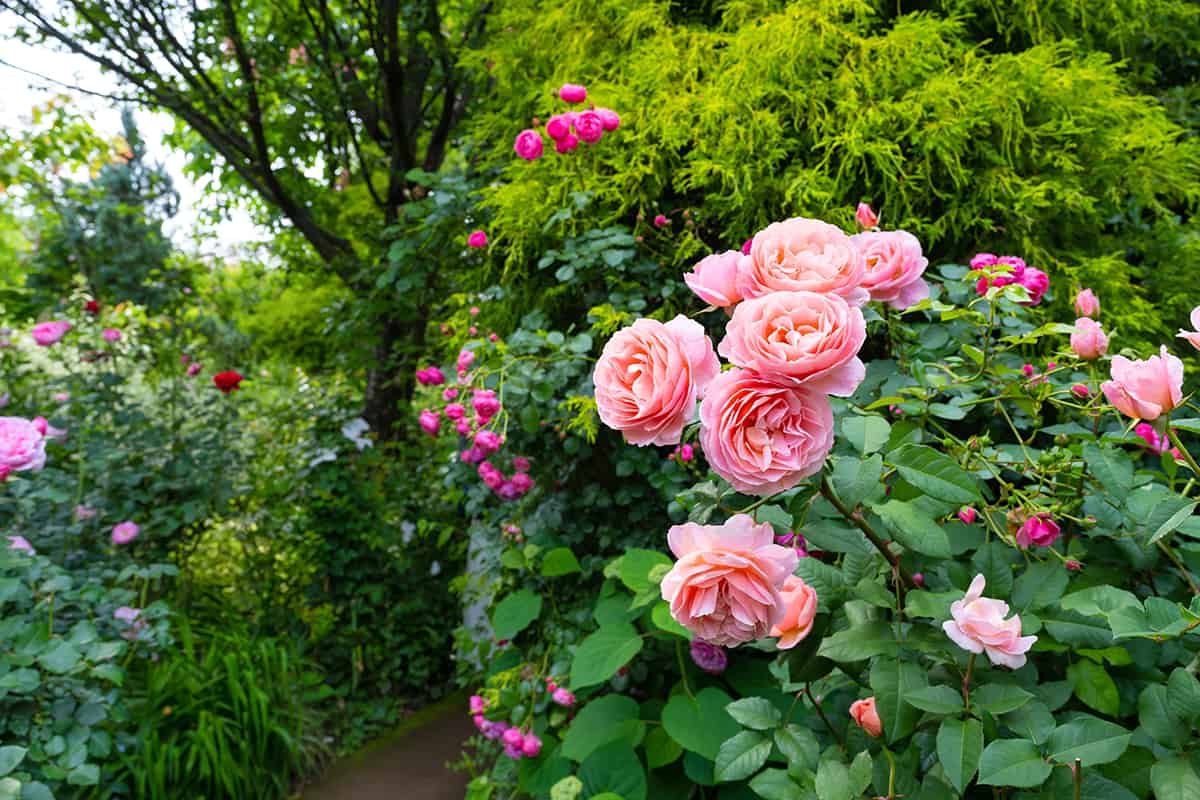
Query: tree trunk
[{"x": 392, "y": 375}]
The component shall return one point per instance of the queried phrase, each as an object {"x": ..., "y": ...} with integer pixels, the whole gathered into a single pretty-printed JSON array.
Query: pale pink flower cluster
[
  {"x": 517, "y": 743},
  {"x": 568, "y": 128}
]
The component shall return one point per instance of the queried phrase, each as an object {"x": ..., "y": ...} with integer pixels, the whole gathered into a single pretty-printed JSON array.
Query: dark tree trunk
[{"x": 391, "y": 377}]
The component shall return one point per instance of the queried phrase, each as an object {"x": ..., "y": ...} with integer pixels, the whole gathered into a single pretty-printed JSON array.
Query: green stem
[
  {"x": 868, "y": 531},
  {"x": 966, "y": 684},
  {"x": 1187, "y": 457},
  {"x": 821, "y": 714},
  {"x": 891, "y": 794},
  {"x": 1179, "y": 565},
  {"x": 683, "y": 670}
]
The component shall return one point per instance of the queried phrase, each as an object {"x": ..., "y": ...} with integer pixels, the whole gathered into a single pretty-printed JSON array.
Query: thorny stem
[
  {"x": 966, "y": 684},
  {"x": 1077, "y": 774},
  {"x": 821, "y": 714},
  {"x": 868, "y": 531},
  {"x": 1179, "y": 565}
]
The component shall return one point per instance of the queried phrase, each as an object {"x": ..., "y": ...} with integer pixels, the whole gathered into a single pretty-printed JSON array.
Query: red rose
[
  {"x": 91, "y": 307},
  {"x": 227, "y": 381}
]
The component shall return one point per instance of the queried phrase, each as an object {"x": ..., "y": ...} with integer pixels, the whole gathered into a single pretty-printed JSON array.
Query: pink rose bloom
[
  {"x": 477, "y": 704},
  {"x": 978, "y": 626},
  {"x": 1088, "y": 340},
  {"x": 1193, "y": 336},
  {"x": 800, "y": 609},
  {"x": 660, "y": 220},
  {"x": 48, "y": 333},
  {"x": 531, "y": 746},
  {"x": 465, "y": 359},
  {"x": 111, "y": 335},
  {"x": 522, "y": 482},
  {"x": 487, "y": 441},
  {"x": 125, "y": 532},
  {"x": 714, "y": 279},
  {"x": 762, "y": 437},
  {"x": 435, "y": 376},
  {"x": 1036, "y": 283},
  {"x": 1145, "y": 389},
  {"x": 894, "y": 266},
  {"x": 746, "y": 245},
  {"x": 799, "y": 339},
  {"x": 725, "y": 586},
  {"x": 1039, "y": 530},
  {"x": 649, "y": 377},
  {"x": 194, "y": 369},
  {"x": 803, "y": 255},
  {"x": 708, "y": 657},
  {"x": 572, "y": 93},
  {"x": 477, "y": 239},
  {"x": 865, "y": 715},
  {"x": 521, "y": 464},
  {"x": 22, "y": 544},
  {"x": 563, "y": 698},
  {"x": 449, "y": 393},
  {"x": 609, "y": 119},
  {"x": 1157, "y": 444},
  {"x": 83, "y": 512},
  {"x": 866, "y": 216},
  {"x": 1087, "y": 304},
  {"x": 558, "y": 127},
  {"x": 686, "y": 453},
  {"x": 485, "y": 403},
  {"x": 1081, "y": 391},
  {"x": 62, "y": 397},
  {"x": 589, "y": 127},
  {"x": 471, "y": 456},
  {"x": 455, "y": 411},
  {"x": 22, "y": 444},
  {"x": 463, "y": 426},
  {"x": 566, "y": 143},
  {"x": 983, "y": 261},
  {"x": 968, "y": 515},
  {"x": 529, "y": 145},
  {"x": 430, "y": 422},
  {"x": 126, "y": 614}
]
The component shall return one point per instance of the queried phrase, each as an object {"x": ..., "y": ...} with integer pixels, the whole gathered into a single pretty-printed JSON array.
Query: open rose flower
[
  {"x": 866, "y": 716},
  {"x": 714, "y": 279},
  {"x": 1192, "y": 336},
  {"x": 1088, "y": 340},
  {"x": 48, "y": 333},
  {"x": 609, "y": 118},
  {"x": 228, "y": 381},
  {"x": 589, "y": 127},
  {"x": 22, "y": 444},
  {"x": 800, "y": 609},
  {"x": 725, "y": 586},
  {"x": 572, "y": 93},
  {"x": 977, "y": 625},
  {"x": 1145, "y": 389},
  {"x": 803, "y": 255},
  {"x": 529, "y": 145},
  {"x": 893, "y": 267},
  {"x": 762, "y": 437},
  {"x": 22, "y": 544},
  {"x": 1038, "y": 530},
  {"x": 125, "y": 532},
  {"x": 649, "y": 377},
  {"x": 799, "y": 339},
  {"x": 1087, "y": 304}
]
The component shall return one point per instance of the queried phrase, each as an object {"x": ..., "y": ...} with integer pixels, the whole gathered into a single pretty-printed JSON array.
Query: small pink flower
[
  {"x": 49, "y": 333},
  {"x": 22, "y": 544},
  {"x": 473, "y": 311},
  {"x": 558, "y": 127},
  {"x": 1193, "y": 336},
  {"x": 746, "y": 246},
  {"x": 472, "y": 330},
  {"x": 1029, "y": 370},
  {"x": 62, "y": 397},
  {"x": 686, "y": 453},
  {"x": 865, "y": 715},
  {"x": 714, "y": 279},
  {"x": 125, "y": 532},
  {"x": 194, "y": 369},
  {"x": 983, "y": 261},
  {"x": 1088, "y": 340},
  {"x": 1081, "y": 391},
  {"x": 918, "y": 579},
  {"x": 589, "y": 127},
  {"x": 572, "y": 93},
  {"x": 465, "y": 359},
  {"x": 660, "y": 220},
  {"x": 435, "y": 376},
  {"x": 487, "y": 441},
  {"x": 968, "y": 515},
  {"x": 477, "y": 704},
  {"x": 866, "y": 216},
  {"x": 521, "y": 464},
  {"x": 1036, "y": 283},
  {"x": 430, "y": 422},
  {"x": 609, "y": 118},
  {"x": 529, "y": 145},
  {"x": 83, "y": 512},
  {"x": 22, "y": 444},
  {"x": 111, "y": 335},
  {"x": 521, "y": 482},
  {"x": 1038, "y": 530},
  {"x": 463, "y": 427},
  {"x": 800, "y": 609},
  {"x": 455, "y": 411},
  {"x": 708, "y": 657},
  {"x": 531, "y": 746},
  {"x": 567, "y": 143},
  {"x": 485, "y": 403},
  {"x": 977, "y": 625},
  {"x": 1145, "y": 389},
  {"x": 126, "y": 614},
  {"x": 1072, "y": 565},
  {"x": 477, "y": 239},
  {"x": 563, "y": 698},
  {"x": 1087, "y": 304},
  {"x": 471, "y": 456},
  {"x": 449, "y": 393},
  {"x": 1157, "y": 444}
]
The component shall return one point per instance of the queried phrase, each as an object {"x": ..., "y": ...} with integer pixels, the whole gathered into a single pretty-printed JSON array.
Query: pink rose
[
  {"x": 799, "y": 339},
  {"x": 866, "y": 216},
  {"x": 455, "y": 411},
  {"x": 661, "y": 220},
  {"x": 529, "y": 145},
  {"x": 430, "y": 422},
  {"x": 449, "y": 393},
  {"x": 194, "y": 369},
  {"x": 983, "y": 261},
  {"x": 746, "y": 245},
  {"x": 968, "y": 515},
  {"x": 686, "y": 453},
  {"x": 566, "y": 143},
  {"x": 463, "y": 426},
  {"x": 609, "y": 118},
  {"x": 531, "y": 746},
  {"x": 1193, "y": 336},
  {"x": 487, "y": 441},
  {"x": 62, "y": 397},
  {"x": 521, "y": 464},
  {"x": 1157, "y": 444},
  {"x": 22, "y": 544},
  {"x": 1036, "y": 283},
  {"x": 48, "y": 333},
  {"x": 22, "y": 444},
  {"x": 1038, "y": 530},
  {"x": 1088, "y": 340},
  {"x": 477, "y": 239},
  {"x": 725, "y": 586},
  {"x": 589, "y": 127},
  {"x": 485, "y": 403},
  {"x": 978, "y": 626},
  {"x": 572, "y": 93},
  {"x": 558, "y": 126},
  {"x": 894, "y": 266},
  {"x": 521, "y": 482},
  {"x": 714, "y": 279},
  {"x": 1081, "y": 391},
  {"x": 126, "y": 614},
  {"x": 762, "y": 437},
  {"x": 125, "y": 532},
  {"x": 111, "y": 335},
  {"x": 83, "y": 512},
  {"x": 1145, "y": 389},
  {"x": 803, "y": 255},
  {"x": 649, "y": 377},
  {"x": 1087, "y": 304},
  {"x": 563, "y": 697},
  {"x": 865, "y": 715},
  {"x": 800, "y": 609},
  {"x": 435, "y": 376}
]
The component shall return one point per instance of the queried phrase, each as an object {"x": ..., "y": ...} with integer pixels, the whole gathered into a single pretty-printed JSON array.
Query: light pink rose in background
[
  {"x": 1145, "y": 389},
  {"x": 609, "y": 118},
  {"x": 894, "y": 266},
  {"x": 22, "y": 444},
  {"x": 589, "y": 127},
  {"x": 83, "y": 512},
  {"x": 799, "y": 339},
  {"x": 1088, "y": 340},
  {"x": 762, "y": 437},
  {"x": 649, "y": 377},
  {"x": 125, "y": 532},
  {"x": 800, "y": 609},
  {"x": 62, "y": 397},
  {"x": 1193, "y": 336},
  {"x": 866, "y": 216},
  {"x": 22, "y": 544},
  {"x": 1038, "y": 530},
  {"x": 194, "y": 369},
  {"x": 866, "y": 716},
  {"x": 48, "y": 333},
  {"x": 977, "y": 625},
  {"x": 1087, "y": 304},
  {"x": 529, "y": 145},
  {"x": 126, "y": 614},
  {"x": 714, "y": 279},
  {"x": 572, "y": 93},
  {"x": 725, "y": 585},
  {"x": 803, "y": 255},
  {"x": 429, "y": 421},
  {"x": 111, "y": 335}
]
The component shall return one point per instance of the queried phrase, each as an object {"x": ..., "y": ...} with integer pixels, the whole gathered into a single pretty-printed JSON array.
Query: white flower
[{"x": 354, "y": 430}]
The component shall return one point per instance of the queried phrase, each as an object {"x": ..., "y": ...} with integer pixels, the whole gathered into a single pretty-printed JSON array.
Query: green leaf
[
  {"x": 10, "y": 757},
  {"x": 1169, "y": 515},
  {"x": 994, "y": 562},
  {"x": 833, "y": 781},
  {"x": 1031, "y": 721},
  {"x": 774, "y": 784},
  {"x": 559, "y": 561},
  {"x": 36, "y": 791},
  {"x": 1000, "y": 698},
  {"x": 858, "y": 481},
  {"x": 1077, "y": 630},
  {"x": 1094, "y": 687},
  {"x": 935, "y": 474},
  {"x": 660, "y": 748},
  {"x": 660, "y": 615},
  {"x": 636, "y": 565},
  {"x": 61, "y": 657},
  {"x": 701, "y": 724},
  {"x": 84, "y": 775},
  {"x": 1013, "y": 762},
  {"x": 599, "y": 656},
  {"x": 1158, "y": 720},
  {"x": 755, "y": 712},
  {"x": 515, "y": 612},
  {"x": 606, "y": 719},
  {"x": 933, "y": 605},
  {"x": 1039, "y": 586},
  {"x": 10, "y": 789},
  {"x": 1112, "y": 467},
  {"x": 1183, "y": 694},
  {"x": 798, "y": 745},
  {"x": 914, "y": 529},
  {"x": 866, "y": 434},
  {"x": 741, "y": 756},
  {"x": 1090, "y": 739},
  {"x": 936, "y": 700},
  {"x": 614, "y": 768},
  {"x": 1175, "y": 779},
  {"x": 891, "y": 681},
  {"x": 959, "y": 747},
  {"x": 860, "y": 642}
]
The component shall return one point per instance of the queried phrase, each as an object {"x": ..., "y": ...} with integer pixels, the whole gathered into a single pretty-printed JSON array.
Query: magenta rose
[
  {"x": 589, "y": 127},
  {"x": 566, "y": 144},
  {"x": 894, "y": 266},
  {"x": 558, "y": 127},
  {"x": 649, "y": 377},
  {"x": 125, "y": 532},
  {"x": 529, "y": 145},
  {"x": 799, "y": 339},
  {"x": 803, "y": 255},
  {"x": 714, "y": 279},
  {"x": 762, "y": 437},
  {"x": 609, "y": 118},
  {"x": 1039, "y": 530},
  {"x": 48, "y": 333},
  {"x": 572, "y": 93},
  {"x": 22, "y": 444},
  {"x": 1145, "y": 389}
]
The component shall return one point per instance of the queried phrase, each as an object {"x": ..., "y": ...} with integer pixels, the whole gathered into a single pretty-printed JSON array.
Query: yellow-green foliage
[{"x": 805, "y": 108}]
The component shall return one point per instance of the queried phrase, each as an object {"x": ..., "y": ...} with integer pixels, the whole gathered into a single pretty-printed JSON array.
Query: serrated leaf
[
  {"x": 859, "y": 643},
  {"x": 959, "y": 747},
  {"x": 600, "y": 655},
  {"x": 936, "y": 699},
  {"x": 741, "y": 756},
  {"x": 755, "y": 712},
  {"x": 892, "y": 680},
  {"x": 935, "y": 474},
  {"x": 867, "y": 433},
  {"x": 1013, "y": 762},
  {"x": 774, "y": 784},
  {"x": 1000, "y": 698},
  {"x": 1174, "y": 779},
  {"x": 558, "y": 562},
  {"x": 1093, "y": 685},
  {"x": 798, "y": 745},
  {"x": 1112, "y": 468},
  {"x": 1094, "y": 741},
  {"x": 914, "y": 529}
]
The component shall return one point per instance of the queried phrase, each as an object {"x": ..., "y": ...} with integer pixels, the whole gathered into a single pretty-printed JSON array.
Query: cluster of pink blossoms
[
  {"x": 1034, "y": 280},
  {"x": 569, "y": 128},
  {"x": 517, "y": 743}
]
